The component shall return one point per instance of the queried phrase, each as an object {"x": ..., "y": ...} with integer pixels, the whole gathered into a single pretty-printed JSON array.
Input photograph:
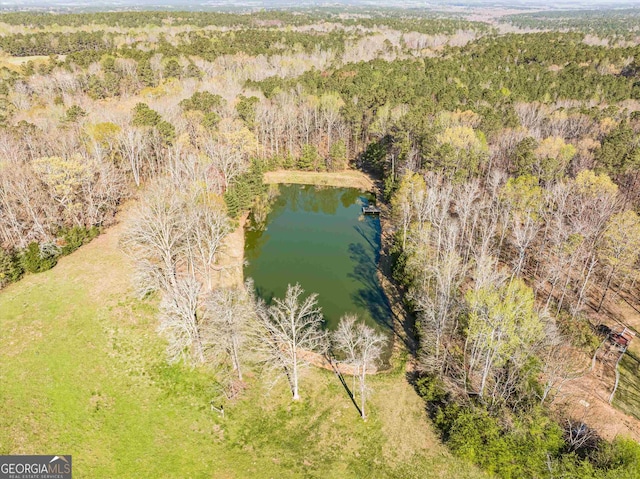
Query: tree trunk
[
  {"x": 236, "y": 360},
  {"x": 294, "y": 375},
  {"x": 197, "y": 342},
  {"x": 362, "y": 392},
  {"x": 583, "y": 289},
  {"x": 485, "y": 375},
  {"x": 404, "y": 236},
  {"x": 606, "y": 288}
]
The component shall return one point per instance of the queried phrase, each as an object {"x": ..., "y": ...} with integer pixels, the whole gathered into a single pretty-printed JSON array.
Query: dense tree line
[
  {"x": 614, "y": 25},
  {"x": 396, "y": 19},
  {"x": 149, "y": 18},
  {"x": 23, "y": 45},
  {"x": 569, "y": 241},
  {"x": 205, "y": 44}
]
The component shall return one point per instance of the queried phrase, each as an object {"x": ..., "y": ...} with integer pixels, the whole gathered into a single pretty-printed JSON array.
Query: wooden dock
[{"x": 370, "y": 210}]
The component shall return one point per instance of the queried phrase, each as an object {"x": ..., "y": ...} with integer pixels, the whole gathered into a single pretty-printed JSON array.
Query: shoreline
[
  {"x": 401, "y": 339},
  {"x": 229, "y": 269},
  {"x": 403, "y": 324}
]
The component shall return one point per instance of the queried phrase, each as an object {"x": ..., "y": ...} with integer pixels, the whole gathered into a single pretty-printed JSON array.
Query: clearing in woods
[{"x": 586, "y": 398}]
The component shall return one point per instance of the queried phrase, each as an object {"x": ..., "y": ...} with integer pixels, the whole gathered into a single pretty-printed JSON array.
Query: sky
[{"x": 212, "y": 4}]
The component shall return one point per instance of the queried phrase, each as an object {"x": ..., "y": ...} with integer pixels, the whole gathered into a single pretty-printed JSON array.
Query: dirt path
[
  {"x": 586, "y": 399},
  {"x": 229, "y": 269}
]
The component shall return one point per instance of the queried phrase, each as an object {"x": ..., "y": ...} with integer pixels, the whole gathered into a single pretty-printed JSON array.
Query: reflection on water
[{"x": 318, "y": 237}]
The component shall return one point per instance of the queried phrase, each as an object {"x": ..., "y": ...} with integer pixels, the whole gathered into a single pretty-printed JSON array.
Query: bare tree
[
  {"x": 524, "y": 232},
  {"x": 362, "y": 347},
  {"x": 330, "y": 104},
  {"x": 228, "y": 314},
  {"x": 577, "y": 433},
  {"x": 210, "y": 226},
  {"x": 437, "y": 306},
  {"x": 346, "y": 341},
  {"x": 620, "y": 246},
  {"x": 406, "y": 201},
  {"x": 155, "y": 238},
  {"x": 292, "y": 327},
  {"x": 180, "y": 321},
  {"x": 559, "y": 366},
  {"x": 229, "y": 161},
  {"x": 133, "y": 147}
]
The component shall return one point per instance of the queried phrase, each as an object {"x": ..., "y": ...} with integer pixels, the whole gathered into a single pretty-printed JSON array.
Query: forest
[{"x": 506, "y": 161}]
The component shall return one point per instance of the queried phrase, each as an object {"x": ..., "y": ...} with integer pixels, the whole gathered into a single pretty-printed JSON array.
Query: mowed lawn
[{"x": 82, "y": 372}]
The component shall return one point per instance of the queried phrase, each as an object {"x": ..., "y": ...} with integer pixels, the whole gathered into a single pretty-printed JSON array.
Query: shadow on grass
[
  {"x": 628, "y": 395},
  {"x": 344, "y": 383}
]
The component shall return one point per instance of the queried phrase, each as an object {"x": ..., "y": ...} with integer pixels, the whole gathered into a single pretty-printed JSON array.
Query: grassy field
[
  {"x": 346, "y": 179},
  {"x": 82, "y": 372},
  {"x": 23, "y": 60},
  {"x": 15, "y": 63}
]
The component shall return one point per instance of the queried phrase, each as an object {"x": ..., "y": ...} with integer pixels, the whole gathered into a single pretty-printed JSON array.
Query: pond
[{"x": 318, "y": 237}]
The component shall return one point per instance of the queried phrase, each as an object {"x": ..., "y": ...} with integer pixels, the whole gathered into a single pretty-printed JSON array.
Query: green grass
[{"x": 82, "y": 372}]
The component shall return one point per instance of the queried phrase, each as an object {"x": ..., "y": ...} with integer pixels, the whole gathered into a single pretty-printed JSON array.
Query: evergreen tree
[
  {"x": 338, "y": 156},
  {"x": 617, "y": 149},
  {"x": 246, "y": 109},
  {"x": 145, "y": 116},
  {"x": 308, "y": 158},
  {"x": 172, "y": 69},
  {"x": 145, "y": 73},
  {"x": 10, "y": 268}
]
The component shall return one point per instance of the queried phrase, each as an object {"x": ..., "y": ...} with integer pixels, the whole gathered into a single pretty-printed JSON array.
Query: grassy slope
[{"x": 82, "y": 373}]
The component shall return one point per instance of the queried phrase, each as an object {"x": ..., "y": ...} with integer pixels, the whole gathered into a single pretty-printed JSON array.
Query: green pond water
[{"x": 318, "y": 237}]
